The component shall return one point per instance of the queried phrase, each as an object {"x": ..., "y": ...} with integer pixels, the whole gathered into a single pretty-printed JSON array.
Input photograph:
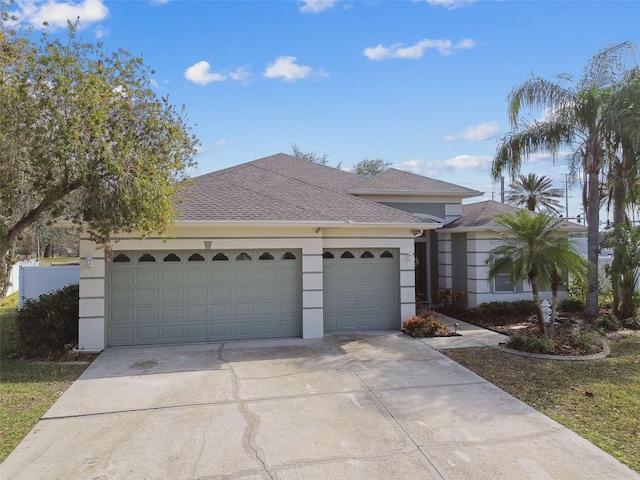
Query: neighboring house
[{"x": 277, "y": 247}]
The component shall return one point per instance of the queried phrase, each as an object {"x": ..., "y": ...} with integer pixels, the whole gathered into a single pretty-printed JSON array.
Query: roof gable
[
  {"x": 482, "y": 216},
  {"x": 394, "y": 181},
  {"x": 283, "y": 189}
]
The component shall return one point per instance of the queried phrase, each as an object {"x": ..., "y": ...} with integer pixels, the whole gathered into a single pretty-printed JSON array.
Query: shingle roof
[
  {"x": 401, "y": 182},
  {"x": 281, "y": 188},
  {"x": 482, "y": 215}
]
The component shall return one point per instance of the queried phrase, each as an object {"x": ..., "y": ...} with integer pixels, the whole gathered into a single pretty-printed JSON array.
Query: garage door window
[
  {"x": 220, "y": 257},
  {"x": 172, "y": 257},
  {"x": 196, "y": 257},
  {"x": 121, "y": 258},
  {"x": 147, "y": 258}
]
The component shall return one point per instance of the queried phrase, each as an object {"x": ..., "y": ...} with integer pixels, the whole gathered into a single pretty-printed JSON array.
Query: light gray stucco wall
[{"x": 459, "y": 265}]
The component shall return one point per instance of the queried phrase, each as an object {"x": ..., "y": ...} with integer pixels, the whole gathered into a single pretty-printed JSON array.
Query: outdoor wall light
[
  {"x": 408, "y": 258},
  {"x": 90, "y": 263}
]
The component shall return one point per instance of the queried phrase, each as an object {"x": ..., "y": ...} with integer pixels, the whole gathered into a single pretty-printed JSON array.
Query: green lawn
[
  {"x": 598, "y": 399},
  {"x": 27, "y": 389}
]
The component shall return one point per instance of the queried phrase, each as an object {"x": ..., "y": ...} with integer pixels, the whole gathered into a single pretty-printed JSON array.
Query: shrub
[
  {"x": 609, "y": 323},
  {"x": 448, "y": 298},
  {"x": 424, "y": 326},
  {"x": 571, "y": 305},
  {"x": 587, "y": 338},
  {"x": 50, "y": 323},
  {"x": 492, "y": 310},
  {"x": 525, "y": 343},
  {"x": 632, "y": 323}
]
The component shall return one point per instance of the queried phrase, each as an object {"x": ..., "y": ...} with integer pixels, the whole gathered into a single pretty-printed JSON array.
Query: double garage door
[{"x": 189, "y": 296}]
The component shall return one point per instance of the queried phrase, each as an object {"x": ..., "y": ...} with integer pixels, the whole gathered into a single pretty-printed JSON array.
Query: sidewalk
[{"x": 471, "y": 336}]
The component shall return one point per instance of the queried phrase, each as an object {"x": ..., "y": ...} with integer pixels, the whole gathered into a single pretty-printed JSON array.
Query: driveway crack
[{"x": 252, "y": 423}]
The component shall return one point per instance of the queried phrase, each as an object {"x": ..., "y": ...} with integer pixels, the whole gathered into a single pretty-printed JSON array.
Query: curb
[{"x": 563, "y": 358}]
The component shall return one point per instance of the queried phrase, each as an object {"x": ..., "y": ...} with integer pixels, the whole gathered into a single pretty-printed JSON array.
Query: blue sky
[{"x": 421, "y": 84}]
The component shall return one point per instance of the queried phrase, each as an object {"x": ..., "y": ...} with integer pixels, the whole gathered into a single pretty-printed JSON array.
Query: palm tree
[
  {"x": 623, "y": 118},
  {"x": 535, "y": 193},
  {"x": 575, "y": 121},
  {"x": 534, "y": 248}
]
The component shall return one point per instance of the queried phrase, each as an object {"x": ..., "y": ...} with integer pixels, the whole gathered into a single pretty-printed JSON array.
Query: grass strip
[{"x": 598, "y": 399}]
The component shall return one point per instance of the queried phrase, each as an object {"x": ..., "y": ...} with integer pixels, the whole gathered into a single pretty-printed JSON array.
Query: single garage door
[
  {"x": 361, "y": 289},
  {"x": 191, "y": 296}
]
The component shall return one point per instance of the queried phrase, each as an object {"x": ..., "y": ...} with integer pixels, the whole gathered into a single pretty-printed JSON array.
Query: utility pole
[
  {"x": 566, "y": 195},
  {"x": 501, "y": 189}
]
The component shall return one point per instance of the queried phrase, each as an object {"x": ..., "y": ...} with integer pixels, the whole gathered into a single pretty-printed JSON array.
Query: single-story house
[{"x": 281, "y": 247}]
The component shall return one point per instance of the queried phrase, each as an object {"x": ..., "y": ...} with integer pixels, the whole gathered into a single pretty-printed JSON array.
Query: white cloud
[
  {"x": 200, "y": 74},
  {"x": 57, "y": 13},
  {"x": 414, "y": 52},
  {"x": 101, "y": 32},
  {"x": 241, "y": 74},
  {"x": 221, "y": 142},
  {"x": 484, "y": 131},
  {"x": 286, "y": 68},
  {"x": 158, "y": 2},
  {"x": 437, "y": 168},
  {"x": 450, "y": 4},
  {"x": 315, "y": 6}
]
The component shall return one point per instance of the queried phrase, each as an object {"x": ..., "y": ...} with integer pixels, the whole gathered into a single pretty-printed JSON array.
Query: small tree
[
  {"x": 370, "y": 167},
  {"x": 533, "y": 249},
  {"x": 625, "y": 267},
  {"x": 83, "y": 135},
  {"x": 309, "y": 156}
]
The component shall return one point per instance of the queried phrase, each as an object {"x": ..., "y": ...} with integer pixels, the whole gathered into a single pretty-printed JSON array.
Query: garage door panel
[
  {"x": 172, "y": 312},
  {"x": 122, "y": 314},
  {"x": 147, "y": 313},
  {"x": 244, "y": 292},
  {"x": 166, "y": 301},
  {"x": 221, "y": 310},
  {"x": 121, "y": 297},
  {"x": 267, "y": 274},
  {"x": 266, "y": 291},
  {"x": 172, "y": 294},
  {"x": 288, "y": 274},
  {"x": 197, "y": 331},
  {"x": 219, "y": 275},
  {"x": 196, "y": 311},
  {"x": 244, "y": 309},
  {"x": 244, "y": 328},
  {"x": 288, "y": 307},
  {"x": 243, "y": 275},
  {"x": 171, "y": 332},
  {"x": 197, "y": 294},
  {"x": 221, "y": 293},
  {"x": 270, "y": 328},
  {"x": 172, "y": 276},
  {"x": 146, "y": 277},
  {"x": 147, "y": 295},
  {"x": 121, "y": 335},
  {"x": 362, "y": 292},
  {"x": 267, "y": 308},
  {"x": 147, "y": 333},
  {"x": 221, "y": 330},
  {"x": 196, "y": 275},
  {"x": 125, "y": 277}
]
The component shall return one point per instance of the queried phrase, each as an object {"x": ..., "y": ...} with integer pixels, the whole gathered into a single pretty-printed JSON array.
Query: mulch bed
[{"x": 528, "y": 326}]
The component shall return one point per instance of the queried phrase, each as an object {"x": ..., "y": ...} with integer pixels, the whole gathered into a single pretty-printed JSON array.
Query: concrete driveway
[{"x": 356, "y": 406}]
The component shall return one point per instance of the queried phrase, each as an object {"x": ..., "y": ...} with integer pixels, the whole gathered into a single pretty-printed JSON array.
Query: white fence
[
  {"x": 35, "y": 281},
  {"x": 14, "y": 275}
]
